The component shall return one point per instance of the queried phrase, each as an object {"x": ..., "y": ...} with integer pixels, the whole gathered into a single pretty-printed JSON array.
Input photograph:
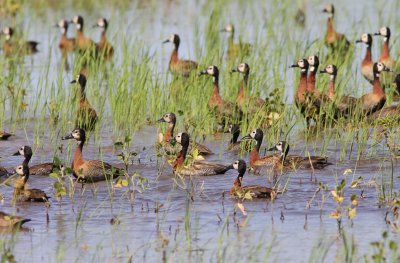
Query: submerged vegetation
[{"x": 345, "y": 210}]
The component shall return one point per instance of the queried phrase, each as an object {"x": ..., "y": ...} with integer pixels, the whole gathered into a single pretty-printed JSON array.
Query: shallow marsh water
[{"x": 167, "y": 222}]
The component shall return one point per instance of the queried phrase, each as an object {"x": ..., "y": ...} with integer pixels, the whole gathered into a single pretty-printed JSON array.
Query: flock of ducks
[{"x": 308, "y": 98}]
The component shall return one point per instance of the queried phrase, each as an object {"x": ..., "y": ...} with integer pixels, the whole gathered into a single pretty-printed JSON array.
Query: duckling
[
  {"x": 309, "y": 107},
  {"x": 17, "y": 47},
  {"x": 257, "y": 162},
  {"x": 7, "y": 220},
  {"x": 66, "y": 44},
  {"x": 255, "y": 191},
  {"x": 246, "y": 103},
  {"x": 226, "y": 112},
  {"x": 89, "y": 170},
  {"x": 240, "y": 50},
  {"x": 170, "y": 118},
  {"x": 196, "y": 168},
  {"x": 296, "y": 161},
  {"x": 334, "y": 40},
  {"x": 104, "y": 46},
  {"x": 344, "y": 104},
  {"x": 4, "y": 135},
  {"x": 86, "y": 116},
  {"x": 367, "y": 64},
  {"x": 82, "y": 42},
  {"x": 38, "y": 169},
  {"x": 385, "y": 53},
  {"x": 376, "y": 99},
  {"x": 21, "y": 193},
  {"x": 176, "y": 65}
]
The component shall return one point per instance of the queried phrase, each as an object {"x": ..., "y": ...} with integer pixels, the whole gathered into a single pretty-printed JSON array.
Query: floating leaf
[
  {"x": 124, "y": 182},
  {"x": 354, "y": 184},
  {"x": 347, "y": 171}
]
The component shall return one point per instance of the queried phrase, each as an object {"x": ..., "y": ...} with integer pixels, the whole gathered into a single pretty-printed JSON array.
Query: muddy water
[{"x": 155, "y": 226}]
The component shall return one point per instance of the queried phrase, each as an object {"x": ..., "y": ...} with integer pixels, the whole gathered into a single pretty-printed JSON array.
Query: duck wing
[{"x": 41, "y": 169}]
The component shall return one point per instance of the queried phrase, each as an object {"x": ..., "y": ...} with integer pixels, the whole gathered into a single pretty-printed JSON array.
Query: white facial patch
[
  {"x": 101, "y": 23},
  {"x": 19, "y": 169},
  {"x": 236, "y": 165},
  {"x": 178, "y": 137},
  {"x": 172, "y": 38}
]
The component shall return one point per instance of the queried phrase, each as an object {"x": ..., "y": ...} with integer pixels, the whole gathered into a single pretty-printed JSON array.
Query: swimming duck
[
  {"x": 297, "y": 161},
  {"x": 4, "y": 135},
  {"x": 21, "y": 192},
  {"x": 334, "y": 40},
  {"x": 367, "y": 63},
  {"x": 226, "y": 112},
  {"x": 196, "y": 168},
  {"x": 66, "y": 44},
  {"x": 89, "y": 170},
  {"x": 82, "y": 42},
  {"x": 104, "y": 46},
  {"x": 176, "y": 65},
  {"x": 344, "y": 104},
  {"x": 376, "y": 99},
  {"x": 17, "y": 47},
  {"x": 170, "y": 119},
  {"x": 385, "y": 53},
  {"x": 255, "y": 191},
  {"x": 246, "y": 103},
  {"x": 239, "y": 50},
  {"x": 257, "y": 162},
  {"x": 38, "y": 169},
  {"x": 7, "y": 220},
  {"x": 86, "y": 115}
]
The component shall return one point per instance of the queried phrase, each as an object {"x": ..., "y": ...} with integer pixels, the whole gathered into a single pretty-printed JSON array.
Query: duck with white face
[
  {"x": 176, "y": 65},
  {"x": 19, "y": 48},
  {"x": 104, "y": 46},
  {"x": 367, "y": 63},
  {"x": 194, "y": 168},
  {"x": 255, "y": 191},
  {"x": 43, "y": 169},
  {"x": 170, "y": 119},
  {"x": 224, "y": 111},
  {"x": 89, "y": 170},
  {"x": 235, "y": 50},
  {"x": 83, "y": 43},
  {"x": 385, "y": 57}
]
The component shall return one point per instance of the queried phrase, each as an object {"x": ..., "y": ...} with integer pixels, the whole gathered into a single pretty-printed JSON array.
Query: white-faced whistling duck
[
  {"x": 66, "y": 44},
  {"x": 385, "y": 53},
  {"x": 246, "y": 103},
  {"x": 226, "y": 112},
  {"x": 10, "y": 221},
  {"x": 22, "y": 193},
  {"x": 235, "y": 145},
  {"x": 334, "y": 40},
  {"x": 309, "y": 107},
  {"x": 313, "y": 64},
  {"x": 240, "y": 50},
  {"x": 367, "y": 63},
  {"x": 344, "y": 104},
  {"x": 257, "y": 162},
  {"x": 82, "y": 42},
  {"x": 38, "y": 169},
  {"x": 255, "y": 191},
  {"x": 297, "y": 161},
  {"x": 89, "y": 170},
  {"x": 86, "y": 116},
  {"x": 170, "y": 119},
  {"x": 391, "y": 112},
  {"x": 376, "y": 99},
  {"x": 17, "y": 47},
  {"x": 104, "y": 46},
  {"x": 196, "y": 168},
  {"x": 176, "y": 65},
  {"x": 4, "y": 135}
]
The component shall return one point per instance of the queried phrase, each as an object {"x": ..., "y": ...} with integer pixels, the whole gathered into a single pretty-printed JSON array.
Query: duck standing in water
[
  {"x": 104, "y": 45},
  {"x": 336, "y": 42},
  {"x": 255, "y": 191},
  {"x": 89, "y": 170},
  {"x": 234, "y": 50},
  {"x": 196, "y": 168},
  {"x": 367, "y": 65},
  {"x": 178, "y": 66}
]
